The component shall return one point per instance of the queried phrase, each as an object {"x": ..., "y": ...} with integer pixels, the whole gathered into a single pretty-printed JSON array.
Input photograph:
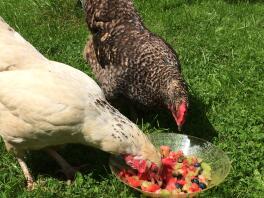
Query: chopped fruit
[
  {"x": 178, "y": 174},
  {"x": 172, "y": 181},
  {"x": 189, "y": 160},
  {"x": 176, "y": 191},
  {"x": 202, "y": 186},
  {"x": 175, "y": 155},
  {"x": 165, "y": 151},
  {"x": 186, "y": 187},
  {"x": 194, "y": 187},
  {"x": 182, "y": 182},
  {"x": 133, "y": 181},
  {"x": 170, "y": 187},
  {"x": 168, "y": 162},
  {"x": 145, "y": 185},
  {"x": 149, "y": 186},
  {"x": 178, "y": 185},
  {"x": 201, "y": 178},
  {"x": 140, "y": 165},
  {"x": 171, "y": 184},
  {"x": 177, "y": 166},
  {"x": 153, "y": 188},
  {"x": 197, "y": 164},
  {"x": 180, "y": 159},
  {"x": 195, "y": 181},
  {"x": 206, "y": 167}
]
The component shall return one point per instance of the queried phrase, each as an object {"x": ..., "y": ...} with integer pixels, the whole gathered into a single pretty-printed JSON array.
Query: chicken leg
[
  {"x": 27, "y": 174},
  {"x": 67, "y": 169}
]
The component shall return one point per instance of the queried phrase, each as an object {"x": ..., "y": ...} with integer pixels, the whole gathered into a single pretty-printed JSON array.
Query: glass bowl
[{"x": 191, "y": 146}]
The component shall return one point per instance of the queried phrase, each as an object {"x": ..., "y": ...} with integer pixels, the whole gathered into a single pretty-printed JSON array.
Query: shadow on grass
[
  {"x": 41, "y": 164},
  {"x": 197, "y": 123},
  {"x": 76, "y": 155}
]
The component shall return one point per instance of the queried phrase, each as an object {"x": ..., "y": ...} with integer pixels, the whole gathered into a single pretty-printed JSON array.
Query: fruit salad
[{"x": 178, "y": 174}]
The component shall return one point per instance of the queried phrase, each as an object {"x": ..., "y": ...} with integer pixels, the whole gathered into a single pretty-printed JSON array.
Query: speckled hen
[
  {"x": 131, "y": 62},
  {"x": 44, "y": 103}
]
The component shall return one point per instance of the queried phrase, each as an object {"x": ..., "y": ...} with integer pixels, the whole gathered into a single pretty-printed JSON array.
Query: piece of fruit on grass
[{"x": 149, "y": 186}]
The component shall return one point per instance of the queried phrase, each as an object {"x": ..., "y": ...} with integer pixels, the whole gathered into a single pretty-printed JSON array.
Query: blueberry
[
  {"x": 202, "y": 185},
  {"x": 178, "y": 185},
  {"x": 195, "y": 181},
  {"x": 197, "y": 165}
]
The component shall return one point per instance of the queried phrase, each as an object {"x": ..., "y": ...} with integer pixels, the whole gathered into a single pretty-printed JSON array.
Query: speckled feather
[{"x": 128, "y": 60}]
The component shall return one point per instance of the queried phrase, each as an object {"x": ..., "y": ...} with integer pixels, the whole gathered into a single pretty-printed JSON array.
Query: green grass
[{"x": 220, "y": 44}]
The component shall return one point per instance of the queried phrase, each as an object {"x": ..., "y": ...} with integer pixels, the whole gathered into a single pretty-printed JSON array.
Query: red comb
[{"x": 181, "y": 113}]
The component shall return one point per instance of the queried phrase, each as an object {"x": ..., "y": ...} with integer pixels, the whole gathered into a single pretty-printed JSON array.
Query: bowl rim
[{"x": 185, "y": 194}]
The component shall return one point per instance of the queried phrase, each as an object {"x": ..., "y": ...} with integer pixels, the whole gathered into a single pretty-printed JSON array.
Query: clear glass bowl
[{"x": 190, "y": 145}]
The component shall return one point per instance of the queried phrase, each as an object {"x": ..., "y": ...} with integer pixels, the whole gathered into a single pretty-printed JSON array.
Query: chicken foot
[{"x": 27, "y": 174}]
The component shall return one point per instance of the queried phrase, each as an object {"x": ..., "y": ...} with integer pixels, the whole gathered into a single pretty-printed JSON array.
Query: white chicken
[{"x": 45, "y": 103}]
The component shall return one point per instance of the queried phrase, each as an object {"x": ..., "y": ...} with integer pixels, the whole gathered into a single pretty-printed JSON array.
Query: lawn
[{"x": 221, "y": 48}]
